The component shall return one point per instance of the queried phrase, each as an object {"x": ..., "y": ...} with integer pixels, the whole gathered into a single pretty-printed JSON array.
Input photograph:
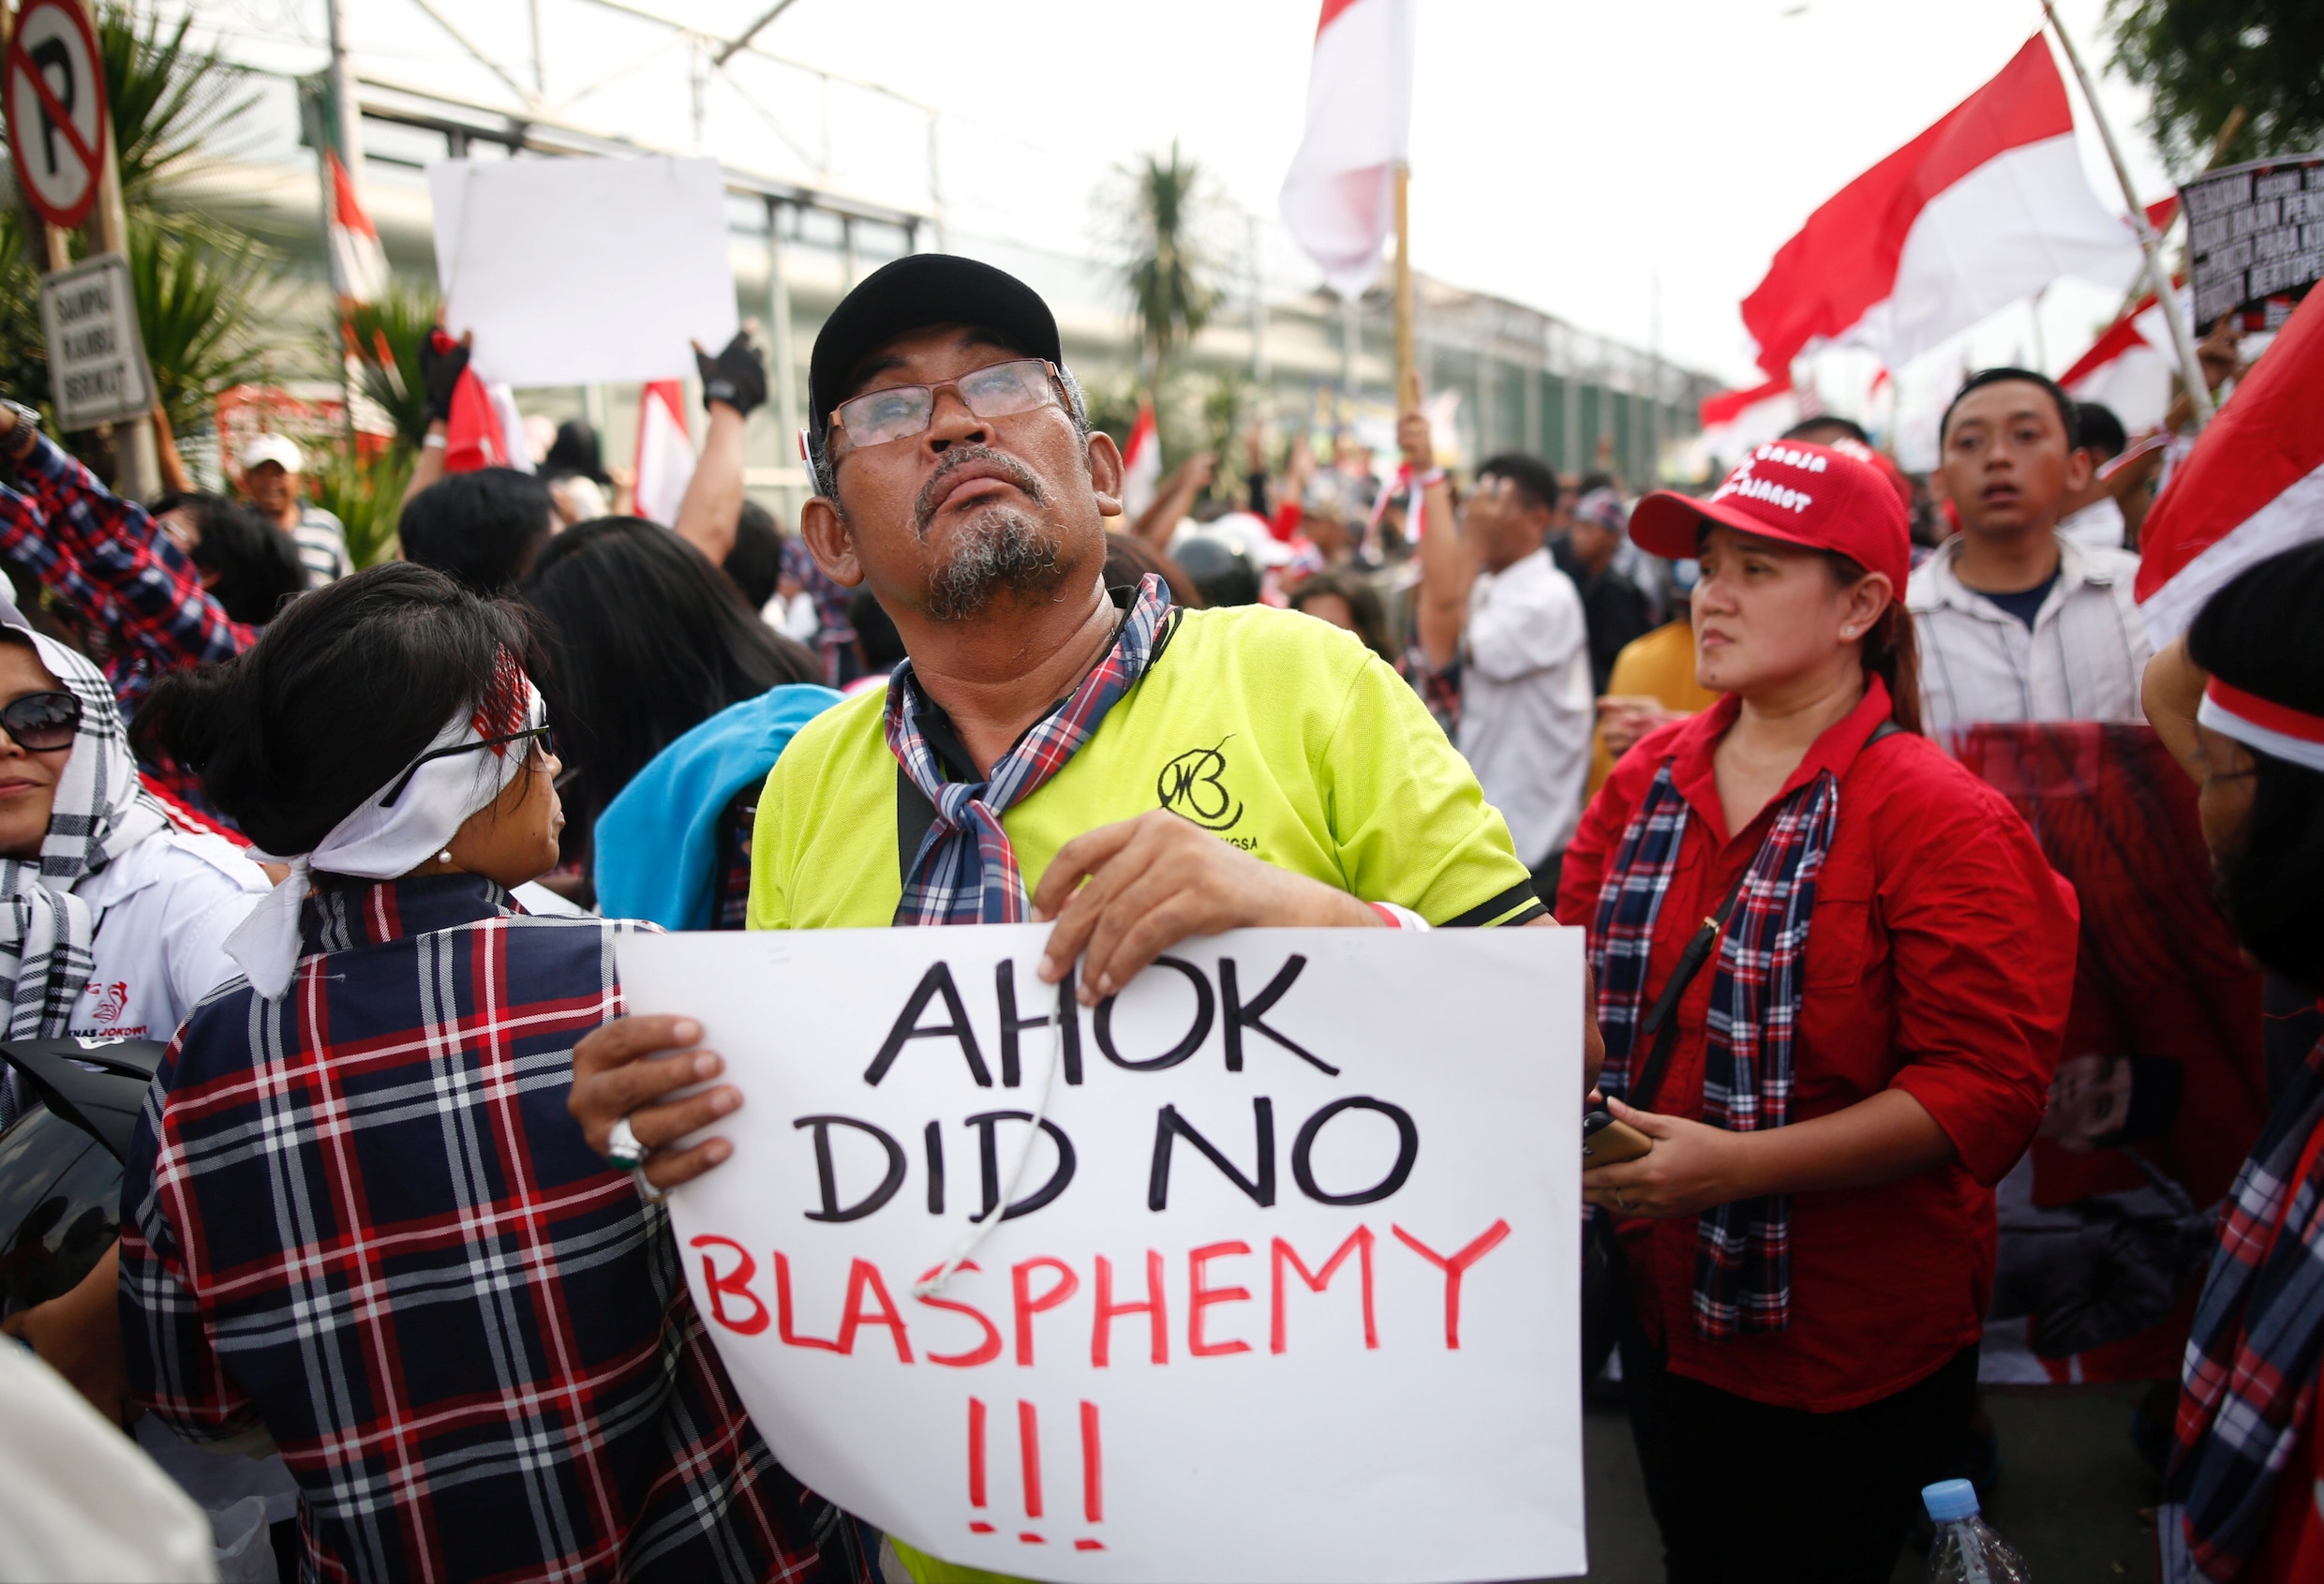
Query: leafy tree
[
  {"x": 366, "y": 492},
  {"x": 169, "y": 101},
  {"x": 200, "y": 288},
  {"x": 2204, "y": 59},
  {"x": 1160, "y": 208}
]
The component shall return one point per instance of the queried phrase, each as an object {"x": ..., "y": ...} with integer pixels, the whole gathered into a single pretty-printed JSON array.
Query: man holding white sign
[{"x": 1131, "y": 775}]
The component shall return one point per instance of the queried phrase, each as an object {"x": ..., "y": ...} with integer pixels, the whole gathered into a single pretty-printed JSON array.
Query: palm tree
[
  {"x": 1160, "y": 209},
  {"x": 384, "y": 339},
  {"x": 197, "y": 295}
]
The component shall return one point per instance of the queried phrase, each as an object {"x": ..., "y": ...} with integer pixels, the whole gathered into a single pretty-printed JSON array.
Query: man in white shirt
[
  {"x": 273, "y": 479},
  {"x": 1491, "y": 598},
  {"x": 2016, "y": 623}
]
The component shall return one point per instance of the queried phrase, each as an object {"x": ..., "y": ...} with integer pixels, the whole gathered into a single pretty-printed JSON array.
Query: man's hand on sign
[
  {"x": 2221, "y": 353},
  {"x": 626, "y": 1068},
  {"x": 1156, "y": 880}
]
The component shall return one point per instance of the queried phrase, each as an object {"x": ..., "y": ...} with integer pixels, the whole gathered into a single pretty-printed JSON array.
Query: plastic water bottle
[{"x": 1965, "y": 1551}]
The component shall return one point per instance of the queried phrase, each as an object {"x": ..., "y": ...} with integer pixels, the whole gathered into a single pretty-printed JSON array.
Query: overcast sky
[
  {"x": 1570, "y": 155},
  {"x": 1566, "y": 155}
]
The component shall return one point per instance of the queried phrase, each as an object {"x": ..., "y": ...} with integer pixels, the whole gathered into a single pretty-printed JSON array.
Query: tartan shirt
[
  {"x": 108, "y": 559},
  {"x": 361, "y": 1217}
]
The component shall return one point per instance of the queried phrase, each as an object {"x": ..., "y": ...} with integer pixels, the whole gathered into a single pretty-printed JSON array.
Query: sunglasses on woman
[
  {"x": 998, "y": 390},
  {"x": 40, "y": 723},
  {"x": 548, "y": 746}
]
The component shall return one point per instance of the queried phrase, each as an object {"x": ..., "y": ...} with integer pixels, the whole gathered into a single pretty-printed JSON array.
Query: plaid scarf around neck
[
  {"x": 966, "y": 872},
  {"x": 1742, "y": 1270},
  {"x": 2252, "y": 1357}
]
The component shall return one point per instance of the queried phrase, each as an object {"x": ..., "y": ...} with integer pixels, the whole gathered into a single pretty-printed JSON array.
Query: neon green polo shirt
[{"x": 1279, "y": 733}]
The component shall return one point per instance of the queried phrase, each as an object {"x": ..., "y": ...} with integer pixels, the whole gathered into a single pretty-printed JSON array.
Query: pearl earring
[{"x": 444, "y": 857}]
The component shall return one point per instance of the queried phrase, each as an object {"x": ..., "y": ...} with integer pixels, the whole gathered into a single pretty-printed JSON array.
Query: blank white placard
[{"x": 576, "y": 270}]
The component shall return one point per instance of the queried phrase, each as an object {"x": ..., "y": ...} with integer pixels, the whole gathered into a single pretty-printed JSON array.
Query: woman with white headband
[
  {"x": 356, "y": 1213},
  {"x": 2239, "y": 703}
]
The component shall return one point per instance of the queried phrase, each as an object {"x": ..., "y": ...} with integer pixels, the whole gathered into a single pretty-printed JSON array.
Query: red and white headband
[{"x": 2275, "y": 730}]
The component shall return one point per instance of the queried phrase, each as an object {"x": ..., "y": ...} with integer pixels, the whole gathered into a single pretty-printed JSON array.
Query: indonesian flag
[
  {"x": 1735, "y": 421},
  {"x": 1141, "y": 465},
  {"x": 2252, "y": 487},
  {"x": 1985, "y": 207},
  {"x": 665, "y": 455},
  {"x": 358, "y": 262},
  {"x": 1339, "y": 199}
]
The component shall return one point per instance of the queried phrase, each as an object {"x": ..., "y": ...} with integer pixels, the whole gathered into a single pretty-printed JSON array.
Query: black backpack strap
[
  {"x": 1662, "y": 1022},
  {"x": 915, "y": 814}
]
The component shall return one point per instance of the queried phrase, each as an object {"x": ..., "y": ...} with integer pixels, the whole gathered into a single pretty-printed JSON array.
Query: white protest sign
[
  {"x": 576, "y": 271},
  {"x": 96, "y": 358},
  {"x": 1288, "y": 1288}
]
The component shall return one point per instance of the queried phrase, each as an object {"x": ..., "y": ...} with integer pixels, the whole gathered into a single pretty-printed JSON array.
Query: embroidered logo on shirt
[{"x": 1194, "y": 786}]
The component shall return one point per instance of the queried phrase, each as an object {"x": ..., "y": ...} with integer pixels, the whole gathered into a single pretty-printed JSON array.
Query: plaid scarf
[
  {"x": 966, "y": 872},
  {"x": 2251, "y": 1361},
  {"x": 1742, "y": 1269},
  {"x": 100, "y": 811}
]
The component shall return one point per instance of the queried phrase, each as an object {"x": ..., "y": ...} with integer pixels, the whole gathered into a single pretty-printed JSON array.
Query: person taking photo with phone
[{"x": 1833, "y": 971}]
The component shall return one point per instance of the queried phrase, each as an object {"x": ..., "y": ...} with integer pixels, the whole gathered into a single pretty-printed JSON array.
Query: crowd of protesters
[{"x": 389, "y": 1258}]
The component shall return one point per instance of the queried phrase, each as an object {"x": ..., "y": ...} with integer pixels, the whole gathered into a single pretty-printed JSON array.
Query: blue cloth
[{"x": 657, "y": 845}]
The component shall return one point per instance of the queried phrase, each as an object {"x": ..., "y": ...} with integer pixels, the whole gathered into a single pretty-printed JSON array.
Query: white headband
[{"x": 379, "y": 843}]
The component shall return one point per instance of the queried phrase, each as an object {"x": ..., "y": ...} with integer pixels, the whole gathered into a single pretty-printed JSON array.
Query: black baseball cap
[{"x": 912, "y": 294}]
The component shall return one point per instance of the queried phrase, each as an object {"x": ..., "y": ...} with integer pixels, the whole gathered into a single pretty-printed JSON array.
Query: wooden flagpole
[
  {"x": 2158, "y": 277},
  {"x": 1404, "y": 281}
]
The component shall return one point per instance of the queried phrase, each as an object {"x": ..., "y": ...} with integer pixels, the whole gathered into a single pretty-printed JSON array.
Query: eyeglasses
[
  {"x": 548, "y": 746},
  {"x": 998, "y": 390},
  {"x": 40, "y": 723}
]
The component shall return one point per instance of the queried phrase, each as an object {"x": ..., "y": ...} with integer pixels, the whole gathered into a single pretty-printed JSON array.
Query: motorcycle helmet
[{"x": 60, "y": 1159}]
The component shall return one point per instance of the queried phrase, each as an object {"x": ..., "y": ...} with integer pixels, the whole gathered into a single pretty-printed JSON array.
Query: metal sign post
[
  {"x": 55, "y": 100},
  {"x": 53, "y": 87},
  {"x": 96, "y": 358}
]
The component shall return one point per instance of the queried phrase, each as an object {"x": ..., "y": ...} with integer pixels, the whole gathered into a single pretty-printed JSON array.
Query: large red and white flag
[
  {"x": 1984, "y": 208},
  {"x": 1141, "y": 465},
  {"x": 358, "y": 262},
  {"x": 1735, "y": 421},
  {"x": 665, "y": 453},
  {"x": 2252, "y": 487},
  {"x": 1340, "y": 198}
]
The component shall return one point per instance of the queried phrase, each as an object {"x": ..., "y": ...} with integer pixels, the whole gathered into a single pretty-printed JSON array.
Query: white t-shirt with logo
[{"x": 162, "y": 912}]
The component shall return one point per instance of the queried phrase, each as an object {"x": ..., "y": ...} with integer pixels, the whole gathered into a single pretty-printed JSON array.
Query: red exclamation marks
[
  {"x": 1093, "y": 1476},
  {"x": 976, "y": 1462},
  {"x": 1029, "y": 1452}
]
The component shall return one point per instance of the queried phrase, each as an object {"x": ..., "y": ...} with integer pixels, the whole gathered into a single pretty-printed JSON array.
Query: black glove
[
  {"x": 736, "y": 375},
  {"x": 442, "y": 361}
]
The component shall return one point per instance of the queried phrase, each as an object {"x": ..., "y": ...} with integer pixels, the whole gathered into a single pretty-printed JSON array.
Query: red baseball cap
[{"x": 1809, "y": 495}]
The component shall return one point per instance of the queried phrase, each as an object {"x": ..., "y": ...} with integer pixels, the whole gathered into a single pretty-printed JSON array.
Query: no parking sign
[{"x": 54, "y": 92}]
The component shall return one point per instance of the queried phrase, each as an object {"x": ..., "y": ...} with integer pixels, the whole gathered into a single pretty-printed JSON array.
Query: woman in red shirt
[{"x": 1863, "y": 1053}]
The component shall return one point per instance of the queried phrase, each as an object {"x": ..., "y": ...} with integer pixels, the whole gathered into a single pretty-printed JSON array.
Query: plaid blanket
[
  {"x": 2251, "y": 1368},
  {"x": 966, "y": 872},
  {"x": 1742, "y": 1274}
]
